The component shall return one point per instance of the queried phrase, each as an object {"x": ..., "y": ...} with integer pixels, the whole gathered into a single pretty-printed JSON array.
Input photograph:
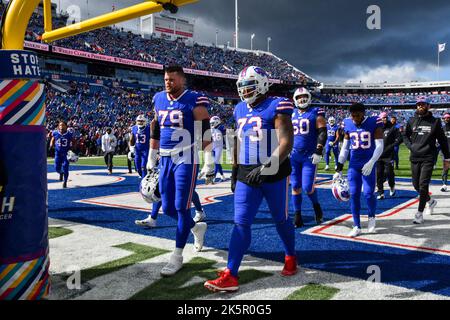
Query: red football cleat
[
  {"x": 290, "y": 266},
  {"x": 225, "y": 282}
]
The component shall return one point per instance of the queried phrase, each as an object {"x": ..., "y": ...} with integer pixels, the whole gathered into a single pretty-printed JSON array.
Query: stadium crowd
[
  {"x": 382, "y": 99},
  {"x": 125, "y": 44}
]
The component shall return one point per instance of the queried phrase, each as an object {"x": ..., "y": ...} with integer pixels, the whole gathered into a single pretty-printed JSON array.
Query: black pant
[
  {"x": 385, "y": 169},
  {"x": 109, "y": 160},
  {"x": 422, "y": 172}
]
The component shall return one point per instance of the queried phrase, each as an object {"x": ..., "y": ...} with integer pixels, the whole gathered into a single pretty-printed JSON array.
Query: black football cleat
[
  {"x": 298, "y": 221},
  {"x": 318, "y": 212},
  {"x": 61, "y": 176},
  {"x": 64, "y": 185}
]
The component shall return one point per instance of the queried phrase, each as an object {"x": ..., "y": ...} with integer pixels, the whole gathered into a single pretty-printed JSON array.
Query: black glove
[
  {"x": 234, "y": 178},
  {"x": 255, "y": 177}
]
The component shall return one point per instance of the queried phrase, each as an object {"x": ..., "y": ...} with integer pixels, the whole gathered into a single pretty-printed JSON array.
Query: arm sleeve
[
  {"x": 343, "y": 155},
  {"x": 284, "y": 106},
  {"x": 379, "y": 146}
]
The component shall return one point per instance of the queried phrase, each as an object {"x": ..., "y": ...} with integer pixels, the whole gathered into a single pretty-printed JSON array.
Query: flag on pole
[{"x": 441, "y": 47}]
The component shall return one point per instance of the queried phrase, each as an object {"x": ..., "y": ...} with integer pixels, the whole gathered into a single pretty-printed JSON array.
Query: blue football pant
[
  {"x": 177, "y": 184},
  {"x": 357, "y": 181},
  {"x": 217, "y": 153},
  {"x": 157, "y": 205},
  {"x": 62, "y": 165},
  {"x": 303, "y": 178},
  {"x": 247, "y": 200},
  {"x": 140, "y": 162},
  {"x": 328, "y": 150}
]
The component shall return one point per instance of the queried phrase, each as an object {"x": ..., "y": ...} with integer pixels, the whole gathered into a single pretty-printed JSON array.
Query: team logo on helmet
[
  {"x": 214, "y": 121},
  {"x": 252, "y": 83},
  {"x": 341, "y": 190},
  {"x": 71, "y": 156},
  {"x": 302, "y": 98},
  {"x": 141, "y": 121},
  {"x": 149, "y": 187}
]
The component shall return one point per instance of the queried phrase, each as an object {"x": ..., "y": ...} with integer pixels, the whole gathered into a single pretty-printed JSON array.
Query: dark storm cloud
[{"x": 325, "y": 37}]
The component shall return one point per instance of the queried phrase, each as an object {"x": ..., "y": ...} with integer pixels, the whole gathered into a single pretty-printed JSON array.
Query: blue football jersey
[
  {"x": 331, "y": 132},
  {"x": 217, "y": 137},
  {"x": 141, "y": 138},
  {"x": 305, "y": 129},
  {"x": 176, "y": 118},
  {"x": 62, "y": 141},
  {"x": 362, "y": 138},
  {"x": 255, "y": 128}
]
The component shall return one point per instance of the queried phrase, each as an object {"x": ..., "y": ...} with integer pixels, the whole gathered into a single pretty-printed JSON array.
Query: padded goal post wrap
[{"x": 24, "y": 253}]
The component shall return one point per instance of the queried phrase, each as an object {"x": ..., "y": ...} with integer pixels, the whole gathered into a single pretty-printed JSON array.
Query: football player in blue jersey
[
  {"x": 177, "y": 110},
  {"x": 217, "y": 134},
  {"x": 332, "y": 143},
  {"x": 310, "y": 137},
  {"x": 261, "y": 168},
  {"x": 62, "y": 140},
  {"x": 140, "y": 144},
  {"x": 364, "y": 139}
]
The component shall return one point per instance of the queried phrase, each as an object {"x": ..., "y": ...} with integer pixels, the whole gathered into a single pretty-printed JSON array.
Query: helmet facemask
[{"x": 302, "y": 101}]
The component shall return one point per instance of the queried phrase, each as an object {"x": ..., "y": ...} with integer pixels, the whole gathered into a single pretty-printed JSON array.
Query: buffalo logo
[{"x": 260, "y": 72}]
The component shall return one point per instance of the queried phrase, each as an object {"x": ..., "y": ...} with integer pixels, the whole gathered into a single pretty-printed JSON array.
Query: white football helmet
[
  {"x": 214, "y": 121},
  {"x": 141, "y": 121},
  {"x": 331, "y": 121},
  {"x": 341, "y": 190},
  {"x": 252, "y": 82},
  {"x": 71, "y": 156},
  {"x": 302, "y": 98},
  {"x": 149, "y": 187}
]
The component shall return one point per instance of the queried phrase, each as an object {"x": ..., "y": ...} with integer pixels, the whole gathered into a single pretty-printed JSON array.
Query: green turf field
[{"x": 404, "y": 167}]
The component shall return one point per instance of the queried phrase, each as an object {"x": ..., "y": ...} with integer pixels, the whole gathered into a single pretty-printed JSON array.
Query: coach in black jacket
[
  {"x": 385, "y": 165},
  {"x": 447, "y": 134},
  {"x": 420, "y": 137}
]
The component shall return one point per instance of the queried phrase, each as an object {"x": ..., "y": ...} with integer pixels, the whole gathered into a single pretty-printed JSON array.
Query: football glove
[
  {"x": 257, "y": 176},
  {"x": 317, "y": 155},
  {"x": 337, "y": 176},
  {"x": 367, "y": 169}
]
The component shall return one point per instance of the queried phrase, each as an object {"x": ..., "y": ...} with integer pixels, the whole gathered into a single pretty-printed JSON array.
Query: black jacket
[
  {"x": 447, "y": 133},
  {"x": 420, "y": 137},
  {"x": 391, "y": 138}
]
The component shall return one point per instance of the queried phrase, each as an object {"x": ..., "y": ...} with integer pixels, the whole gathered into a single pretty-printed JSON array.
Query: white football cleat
[
  {"x": 327, "y": 168},
  {"x": 199, "y": 235},
  {"x": 444, "y": 188},
  {"x": 418, "y": 218},
  {"x": 148, "y": 222},
  {"x": 392, "y": 192},
  {"x": 430, "y": 208},
  {"x": 199, "y": 216},
  {"x": 355, "y": 232},
  {"x": 222, "y": 178},
  {"x": 372, "y": 225},
  {"x": 175, "y": 264},
  {"x": 380, "y": 196}
]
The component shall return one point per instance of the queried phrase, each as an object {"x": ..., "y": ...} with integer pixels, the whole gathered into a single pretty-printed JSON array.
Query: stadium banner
[
  {"x": 24, "y": 255},
  {"x": 36, "y": 45}
]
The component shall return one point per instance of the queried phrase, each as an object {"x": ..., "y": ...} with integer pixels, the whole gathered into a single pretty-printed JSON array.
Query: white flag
[{"x": 441, "y": 47}]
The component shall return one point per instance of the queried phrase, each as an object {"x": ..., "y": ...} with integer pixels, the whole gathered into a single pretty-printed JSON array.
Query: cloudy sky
[{"x": 327, "y": 39}]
